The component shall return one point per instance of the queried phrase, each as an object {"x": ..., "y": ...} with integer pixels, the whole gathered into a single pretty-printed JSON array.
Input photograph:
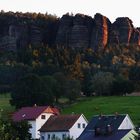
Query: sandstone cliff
[
  {"x": 121, "y": 30},
  {"x": 79, "y": 31},
  {"x": 100, "y": 32},
  {"x": 79, "y": 36}
]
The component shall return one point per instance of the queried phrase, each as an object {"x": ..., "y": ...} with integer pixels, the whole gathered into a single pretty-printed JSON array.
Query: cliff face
[
  {"x": 135, "y": 37},
  {"x": 79, "y": 36},
  {"x": 121, "y": 30},
  {"x": 64, "y": 30},
  {"x": 79, "y": 31},
  {"x": 100, "y": 32},
  {"x": 74, "y": 31}
]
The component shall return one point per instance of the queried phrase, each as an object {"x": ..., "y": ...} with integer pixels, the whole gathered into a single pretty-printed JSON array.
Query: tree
[
  {"x": 134, "y": 75},
  {"x": 10, "y": 130},
  {"x": 102, "y": 82},
  {"x": 72, "y": 89},
  {"x": 60, "y": 88},
  {"x": 30, "y": 90},
  {"x": 122, "y": 86},
  {"x": 86, "y": 82},
  {"x": 50, "y": 86}
]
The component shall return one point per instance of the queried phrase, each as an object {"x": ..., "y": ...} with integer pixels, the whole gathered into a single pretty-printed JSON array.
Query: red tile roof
[
  {"x": 31, "y": 113},
  {"x": 59, "y": 123}
]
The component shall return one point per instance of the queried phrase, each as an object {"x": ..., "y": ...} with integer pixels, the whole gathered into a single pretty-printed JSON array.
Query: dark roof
[
  {"x": 31, "y": 113},
  {"x": 59, "y": 123},
  {"x": 102, "y": 122},
  {"x": 90, "y": 135}
]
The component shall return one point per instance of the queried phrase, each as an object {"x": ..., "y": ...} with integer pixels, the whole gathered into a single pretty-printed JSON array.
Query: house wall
[
  {"x": 58, "y": 135},
  {"x": 40, "y": 122},
  {"x": 37, "y": 124},
  {"x": 75, "y": 132},
  {"x": 130, "y": 136},
  {"x": 126, "y": 124}
]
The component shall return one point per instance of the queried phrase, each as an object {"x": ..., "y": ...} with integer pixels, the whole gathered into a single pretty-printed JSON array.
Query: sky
[{"x": 109, "y": 8}]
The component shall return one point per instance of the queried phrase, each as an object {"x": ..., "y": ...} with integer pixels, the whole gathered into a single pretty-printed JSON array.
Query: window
[
  {"x": 53, "y": 137},
  {"x": 49, "y": 136},
  {"x": 84, "y": 125},
  {"x": 79, "y": 125},
  {"x": 42, "y": 138},
  {"x": 63, "y": 136},
  {"x": 43, "y": 117}
]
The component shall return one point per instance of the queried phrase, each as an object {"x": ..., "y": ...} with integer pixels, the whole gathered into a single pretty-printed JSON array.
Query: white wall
[
  {"x": 40, "y": 122},
  {"x": 75, "y": 132},
  {"x": 58, "y": 135},
  {"x": 126, "y": 124},
  {"x": 37, "y": 124},
  {"x": 130, "y": 135}
]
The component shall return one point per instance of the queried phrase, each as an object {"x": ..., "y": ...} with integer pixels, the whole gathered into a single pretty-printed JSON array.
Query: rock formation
[
  {"x": 35, "y": 35},
  {"x": 100, "y": 32},
  {"x": 79, "y": 37},
  {"x": 135, "y": 37},
  {"x": 64, "y": 30},
  {"x": 80, "y": 31},
  {"x": 121, "y": 31}
]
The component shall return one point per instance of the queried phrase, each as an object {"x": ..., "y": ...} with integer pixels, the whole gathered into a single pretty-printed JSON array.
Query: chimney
[
  {"x": 97, "y": 131},
  {"x": 109, "y": 129},
  {"x": 116, "y": 115},
  {"x": 100, "y": 116}
]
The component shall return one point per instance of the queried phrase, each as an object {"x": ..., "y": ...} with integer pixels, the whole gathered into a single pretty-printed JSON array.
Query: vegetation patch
[
  {"x": 106, "y": 105},
  {"x": 5, "y": 107}
]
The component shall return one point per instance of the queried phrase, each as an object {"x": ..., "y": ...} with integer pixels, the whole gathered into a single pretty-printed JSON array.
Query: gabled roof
[
  {"x": 102, "y": 123},
  {"x": 104, "y": 120},
  {"x": 31, "y": 113},
  {"x": 59, "y": 123},
  {"x": 90, "y": 135}
]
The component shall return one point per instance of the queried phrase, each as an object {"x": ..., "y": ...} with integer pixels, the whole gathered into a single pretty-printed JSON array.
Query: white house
[
  {"x": 109, "y": 127},
  {"x": 36, "y": 116},
  {"x": 126, "y": 123},
  {"x": 62, "y": 126}
]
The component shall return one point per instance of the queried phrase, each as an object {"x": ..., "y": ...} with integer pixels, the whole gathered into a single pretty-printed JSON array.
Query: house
[
  {"x": 109, "y": 127},
  {"x": 63, "y": 126},
  {"x": 36, "y": 116}
]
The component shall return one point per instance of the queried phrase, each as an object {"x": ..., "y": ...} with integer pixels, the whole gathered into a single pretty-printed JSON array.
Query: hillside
[
  {"x": 106, "y": 105},
  {"x": 78, "y": 46}
]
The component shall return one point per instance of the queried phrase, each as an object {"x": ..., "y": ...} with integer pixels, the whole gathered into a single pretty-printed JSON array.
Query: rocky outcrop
[
  {"x": 8, "y": 43},
  {"x": 74, "y": 31},
  {"x": 79, "y": 34},
  {"x": 80, "y": 31},
  {"x": 100, "y": 32},
  {"x": 64, "y": 30},
  {"x": 35, "y": 35},
  {"x": 121, "y": 31},
  {"x": 135, "y": 37}
]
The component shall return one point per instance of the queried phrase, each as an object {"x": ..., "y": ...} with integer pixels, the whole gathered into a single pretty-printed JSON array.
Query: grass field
[
  {"x": 107, "y": 105},
  {"x": 93, "y": 106}
]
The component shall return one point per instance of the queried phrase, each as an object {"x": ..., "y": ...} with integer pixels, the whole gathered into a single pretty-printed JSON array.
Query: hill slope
[{"x": 107, "y": 105}]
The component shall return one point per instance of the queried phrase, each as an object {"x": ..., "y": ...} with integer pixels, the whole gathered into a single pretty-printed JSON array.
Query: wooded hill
[{"x": 78, "y": 46}]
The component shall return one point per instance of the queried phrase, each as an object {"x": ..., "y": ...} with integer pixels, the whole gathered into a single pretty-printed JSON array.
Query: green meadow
[
  {"x": 107, "y": 105},
  {"x": 92, "y": 106}
]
